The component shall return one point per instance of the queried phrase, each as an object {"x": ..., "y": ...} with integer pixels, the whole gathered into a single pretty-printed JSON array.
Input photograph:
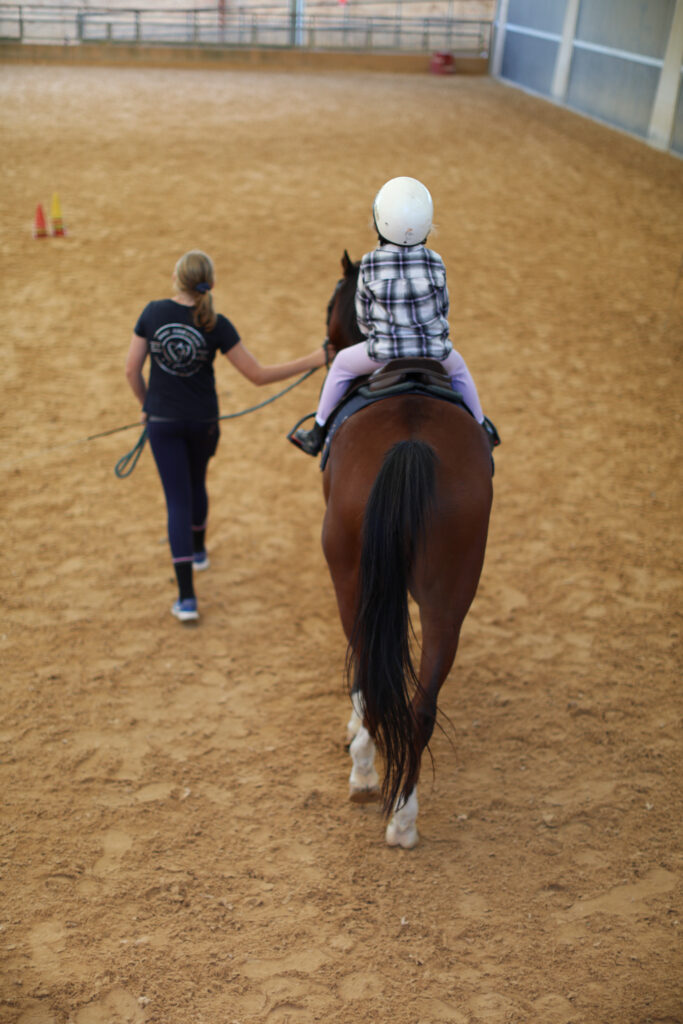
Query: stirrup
[
  {"x": 308, "y": 441},
  {"x": 492, "y": 433}
]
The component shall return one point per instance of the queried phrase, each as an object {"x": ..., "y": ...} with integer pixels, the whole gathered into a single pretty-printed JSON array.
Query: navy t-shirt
[{"x": 181, "y": 383}]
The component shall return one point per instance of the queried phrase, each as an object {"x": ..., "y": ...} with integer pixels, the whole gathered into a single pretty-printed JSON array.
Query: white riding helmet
[{"x": 403, "y": 211}]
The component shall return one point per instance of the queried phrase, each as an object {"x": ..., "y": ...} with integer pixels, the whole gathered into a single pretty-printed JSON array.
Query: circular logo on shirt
[{"x": 178, "y": 349}]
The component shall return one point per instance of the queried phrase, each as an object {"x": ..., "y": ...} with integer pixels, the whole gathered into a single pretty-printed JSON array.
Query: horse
[{"x": 408, "y": 493}]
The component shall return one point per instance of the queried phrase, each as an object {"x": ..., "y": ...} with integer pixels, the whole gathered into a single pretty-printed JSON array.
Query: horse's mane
[{"x": 342, "y": 306}]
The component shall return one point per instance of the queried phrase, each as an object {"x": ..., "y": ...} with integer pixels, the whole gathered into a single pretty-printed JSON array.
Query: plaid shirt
[{"x": 402, "y": 303}]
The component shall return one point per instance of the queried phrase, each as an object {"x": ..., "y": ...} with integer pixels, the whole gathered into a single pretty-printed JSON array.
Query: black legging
[{"x": 182, "y": 449}]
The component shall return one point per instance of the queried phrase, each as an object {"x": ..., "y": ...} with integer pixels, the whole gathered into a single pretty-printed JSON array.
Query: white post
[
  {"x": 499, "y": 42},
  {"x": 664, "y": 107},
  {"x": 296, "y": 34},
  {"x": 564, "y": 54},
  {"x": 300, "y": 22}
]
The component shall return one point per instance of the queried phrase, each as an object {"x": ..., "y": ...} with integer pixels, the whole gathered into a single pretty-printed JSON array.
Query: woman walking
[{"x": 182, "y": 335}]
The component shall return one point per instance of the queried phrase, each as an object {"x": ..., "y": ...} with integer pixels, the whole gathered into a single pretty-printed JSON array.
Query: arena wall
[
  {"x": 221, "y": 58},
  {"x": 615, "y": 60}
]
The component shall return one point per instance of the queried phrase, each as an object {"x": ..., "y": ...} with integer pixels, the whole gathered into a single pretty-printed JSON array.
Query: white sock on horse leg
[
  {"x": 352, "y": 726},
  {"x": 402, "y": 830},
  {"x": 356, "y": 720},
  {"x": 363, "y": 777}
]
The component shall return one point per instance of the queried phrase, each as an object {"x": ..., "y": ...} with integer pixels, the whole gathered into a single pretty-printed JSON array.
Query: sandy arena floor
[{"x": 177, "y": 844}]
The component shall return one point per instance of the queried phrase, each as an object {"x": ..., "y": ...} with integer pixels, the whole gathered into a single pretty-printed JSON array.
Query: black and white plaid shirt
[{"x": 402, "y": 302}]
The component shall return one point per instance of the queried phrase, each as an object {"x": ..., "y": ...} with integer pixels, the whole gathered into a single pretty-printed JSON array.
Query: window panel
[
  {"x": 545, "y": 17},
  {"x": 529, "y": 61},
  {"x": 614, "y": 90},
  {"x": 637, "y": 26}
]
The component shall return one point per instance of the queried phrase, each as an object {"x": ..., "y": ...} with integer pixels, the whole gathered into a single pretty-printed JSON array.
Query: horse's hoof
[
  {"x": 407, "y": 838},
  {"x": 363, "y": 794}
]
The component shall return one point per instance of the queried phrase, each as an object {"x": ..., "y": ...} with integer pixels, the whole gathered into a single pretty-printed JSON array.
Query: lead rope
[{"x": 127, "y": 463}]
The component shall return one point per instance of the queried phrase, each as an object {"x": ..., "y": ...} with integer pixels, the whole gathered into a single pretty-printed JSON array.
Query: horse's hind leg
[
  {"x": 356, "y": 720},
  {"x": 363, "y": 780},
  {"x": 352, "y": 726},
  {"x": 439, "y": 645},
  {"x": 402, "y": 829}
]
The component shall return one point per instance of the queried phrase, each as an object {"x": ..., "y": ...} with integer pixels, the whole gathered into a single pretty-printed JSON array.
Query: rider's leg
[
  {"x": 462, "y": 381},
  {"x": 347, "y": 364}
]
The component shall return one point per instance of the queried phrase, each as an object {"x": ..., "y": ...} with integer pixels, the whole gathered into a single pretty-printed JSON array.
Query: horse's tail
[{"x": 379, "y": 650}]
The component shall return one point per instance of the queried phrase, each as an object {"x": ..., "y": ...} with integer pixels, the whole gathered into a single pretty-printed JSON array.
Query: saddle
[
  {"x": 427, "y": 372},
  {"x": 424, "y": 377}
]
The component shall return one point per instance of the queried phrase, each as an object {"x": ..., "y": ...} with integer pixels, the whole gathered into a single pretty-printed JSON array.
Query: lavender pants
[{"x": 355, "y": 362}]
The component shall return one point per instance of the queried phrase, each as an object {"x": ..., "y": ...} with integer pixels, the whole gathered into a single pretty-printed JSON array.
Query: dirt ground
[{"x": 177, "y": 844}]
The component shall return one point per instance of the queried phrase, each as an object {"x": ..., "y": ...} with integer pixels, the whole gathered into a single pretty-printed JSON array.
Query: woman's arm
[
  {"x": 249, "y": 366},
  {"x": 135, "y": 360}
]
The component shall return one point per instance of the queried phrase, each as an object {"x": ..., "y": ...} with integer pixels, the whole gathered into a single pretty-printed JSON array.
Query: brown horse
[{"x": 408, "y": 491}]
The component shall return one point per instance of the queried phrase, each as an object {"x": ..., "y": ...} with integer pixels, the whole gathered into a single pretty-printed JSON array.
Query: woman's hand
[{"x": 319, "y": 357}]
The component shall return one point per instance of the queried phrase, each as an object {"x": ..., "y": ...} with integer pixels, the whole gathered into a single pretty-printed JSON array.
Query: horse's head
[{"x": 342, "y": 326}]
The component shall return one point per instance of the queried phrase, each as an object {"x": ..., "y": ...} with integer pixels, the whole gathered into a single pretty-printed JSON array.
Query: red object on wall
[{"x": 442, "y": 63}]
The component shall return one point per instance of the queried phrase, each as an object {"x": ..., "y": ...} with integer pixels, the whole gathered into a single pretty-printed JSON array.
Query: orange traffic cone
[
  {"x": 39, "y": 228},
  {"x": 58, "y": 230}
]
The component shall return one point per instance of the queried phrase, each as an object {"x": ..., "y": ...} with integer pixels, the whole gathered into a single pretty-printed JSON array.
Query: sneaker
[
  {"x": 185, "y": 610},
  {"x": 310, "y": 441},
  {"x": 200, "y": 560}
]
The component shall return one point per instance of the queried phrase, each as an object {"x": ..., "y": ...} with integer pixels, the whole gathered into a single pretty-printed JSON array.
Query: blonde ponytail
[{"x": 194, "y": 272}]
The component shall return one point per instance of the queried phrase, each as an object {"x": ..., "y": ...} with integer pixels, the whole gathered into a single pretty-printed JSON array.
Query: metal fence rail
[{"x": 315, "y": 26}]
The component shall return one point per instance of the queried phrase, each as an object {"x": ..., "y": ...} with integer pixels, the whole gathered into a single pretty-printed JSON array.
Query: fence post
[
  {"x": 138, "y": 28},
  {"x": 661, "y": 124},
  {"x": 565, "y": 50},
  {"x": 498, "y": 48}
]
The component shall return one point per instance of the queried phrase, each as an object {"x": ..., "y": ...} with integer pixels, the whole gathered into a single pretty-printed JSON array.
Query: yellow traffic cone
[{"x": 58, "y": 230}]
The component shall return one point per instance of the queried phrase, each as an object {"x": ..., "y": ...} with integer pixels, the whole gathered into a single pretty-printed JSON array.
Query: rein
[{"x": 127, "y": 463}]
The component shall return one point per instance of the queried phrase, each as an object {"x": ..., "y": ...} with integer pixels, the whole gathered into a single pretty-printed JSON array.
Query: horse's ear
[{"x": 346, "y": 262}]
